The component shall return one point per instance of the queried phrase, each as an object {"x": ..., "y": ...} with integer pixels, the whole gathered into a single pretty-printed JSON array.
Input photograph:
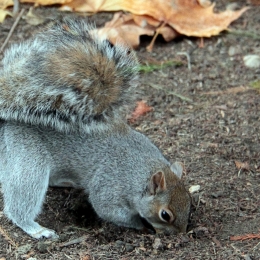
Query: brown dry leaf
[
  {"x": 127, "y": 29},
  {"x": 5, "y": 3},
  {"x": 168, "y": 17},
  {"x": 46, "y": 2},
  {"x": 122, "y": 29},
  {"x": 188, "y": 17},
  {"x": 141, "y": 109},
  {"x": 145, "y": 21},
  {"x": 32, "y": 18},
  {"x": 242, "y": 166}
]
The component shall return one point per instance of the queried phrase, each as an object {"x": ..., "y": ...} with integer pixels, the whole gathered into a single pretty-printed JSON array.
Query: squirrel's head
[{"x": 168, "y": 201}]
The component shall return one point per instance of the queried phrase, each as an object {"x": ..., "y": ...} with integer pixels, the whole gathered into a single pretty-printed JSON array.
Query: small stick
[
  {"x": 150, "y": 46},
  {"x": 188, "y": 58},
  {"x": 74, "y": 241},
  {"x": 244, "y": 237},
  {"x": 12, "y": 29},
  {"x": 170, "y": 92}
]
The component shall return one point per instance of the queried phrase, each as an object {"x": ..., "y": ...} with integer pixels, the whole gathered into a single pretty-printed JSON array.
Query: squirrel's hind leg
[
  {"x": 25, "y": 180},
  {"x": 23, "y": 200}
]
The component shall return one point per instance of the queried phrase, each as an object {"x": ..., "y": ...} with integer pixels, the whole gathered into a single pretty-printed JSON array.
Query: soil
[{"x": 217, "y": 126}]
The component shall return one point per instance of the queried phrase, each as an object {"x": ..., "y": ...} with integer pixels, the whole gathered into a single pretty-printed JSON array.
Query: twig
[
  {"x": 188, "y": 58},
  {"x": 150, "y": 46},
  {"x": 244, "y": 237},
  {"x": 170, "y": 92},
  {"x": 254, "y": 248},
  {"x": 74, "y": 241},
  {"x": 12, "y": 29},
  {"x": 7, "y": 238}
]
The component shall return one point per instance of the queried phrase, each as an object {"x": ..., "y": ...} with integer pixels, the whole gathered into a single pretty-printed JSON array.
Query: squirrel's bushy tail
[{"x": 68, "y": 79}]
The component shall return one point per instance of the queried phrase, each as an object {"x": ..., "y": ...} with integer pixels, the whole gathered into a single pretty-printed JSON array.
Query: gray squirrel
[{"x": 63, "y": 99}]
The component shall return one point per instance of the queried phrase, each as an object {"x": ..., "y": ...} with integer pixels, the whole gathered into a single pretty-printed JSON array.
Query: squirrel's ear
[
  {"x": 176, "y": 168},
  {"x": 157, "y": 183}
]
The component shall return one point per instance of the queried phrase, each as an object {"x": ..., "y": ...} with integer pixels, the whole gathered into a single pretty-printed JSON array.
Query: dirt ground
[{"x": 218, "y": 126}]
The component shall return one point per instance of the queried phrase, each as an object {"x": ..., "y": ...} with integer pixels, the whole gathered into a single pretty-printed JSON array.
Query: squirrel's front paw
[{"x": 44, "y": 233}]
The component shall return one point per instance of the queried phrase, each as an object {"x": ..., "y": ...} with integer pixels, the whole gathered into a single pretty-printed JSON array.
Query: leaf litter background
[{"x": 216, "y": 135}]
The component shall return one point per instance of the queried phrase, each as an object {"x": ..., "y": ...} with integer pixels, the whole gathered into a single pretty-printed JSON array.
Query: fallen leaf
[
  {"x": 168, "y": 18},
  {"x": 46, "y": 2},
  {"x": 33, "y": 19},
  {"x": 242, "y": 166},
  {"x": 5, "y": 3},
  {"x": 141, "y": 109},
  {"x": 191, "y": 18},
  {"x": 122, "y": 29},
  {"x": 3, "y": 14},
  {"x": 167, "y": 32}
]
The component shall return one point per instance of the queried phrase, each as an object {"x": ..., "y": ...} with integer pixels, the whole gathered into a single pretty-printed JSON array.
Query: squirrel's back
[{"x": 68, "y": 79}]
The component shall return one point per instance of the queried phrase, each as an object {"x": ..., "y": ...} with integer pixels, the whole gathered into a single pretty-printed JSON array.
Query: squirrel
[{"x": 64, "y": 95}]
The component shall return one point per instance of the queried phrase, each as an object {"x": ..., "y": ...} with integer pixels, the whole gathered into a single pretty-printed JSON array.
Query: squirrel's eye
[{"x": 165, "y": 216}]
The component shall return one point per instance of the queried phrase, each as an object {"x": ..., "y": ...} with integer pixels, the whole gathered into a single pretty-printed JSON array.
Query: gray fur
[
  {"x": 114, "y": 169},
  {"x": 54, "y": 132},
  {"x": 35, "y": 86}
]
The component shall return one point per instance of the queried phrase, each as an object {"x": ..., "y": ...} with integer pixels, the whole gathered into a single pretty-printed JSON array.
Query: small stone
[
  {"x": 194, "y": 188},
  {"x": 128, "y": 247},
  {"x": 63, "y": 237},
  {"x": 43, "y": 246},
  {"x": 157, "y": 244},
  {"x": 185, "y": 239},
  {"x": 233, "y": 51},
  {"x": 217, "y": 194},
  {"x": 119, "y": 244},
  {"x": 252, "y": 61}
]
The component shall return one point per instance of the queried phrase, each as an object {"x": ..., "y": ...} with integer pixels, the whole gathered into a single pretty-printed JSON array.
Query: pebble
[
  {"x": 233, "y": 51},
  {"x": 252, "y": 61},
  {"x": 194, "y": 188},
  {"x": 119, "y": 244},
  {"x": 157, "y": 243},
  {"x": 128, "y": 247},
  {"x": 43, "y": 246}
]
